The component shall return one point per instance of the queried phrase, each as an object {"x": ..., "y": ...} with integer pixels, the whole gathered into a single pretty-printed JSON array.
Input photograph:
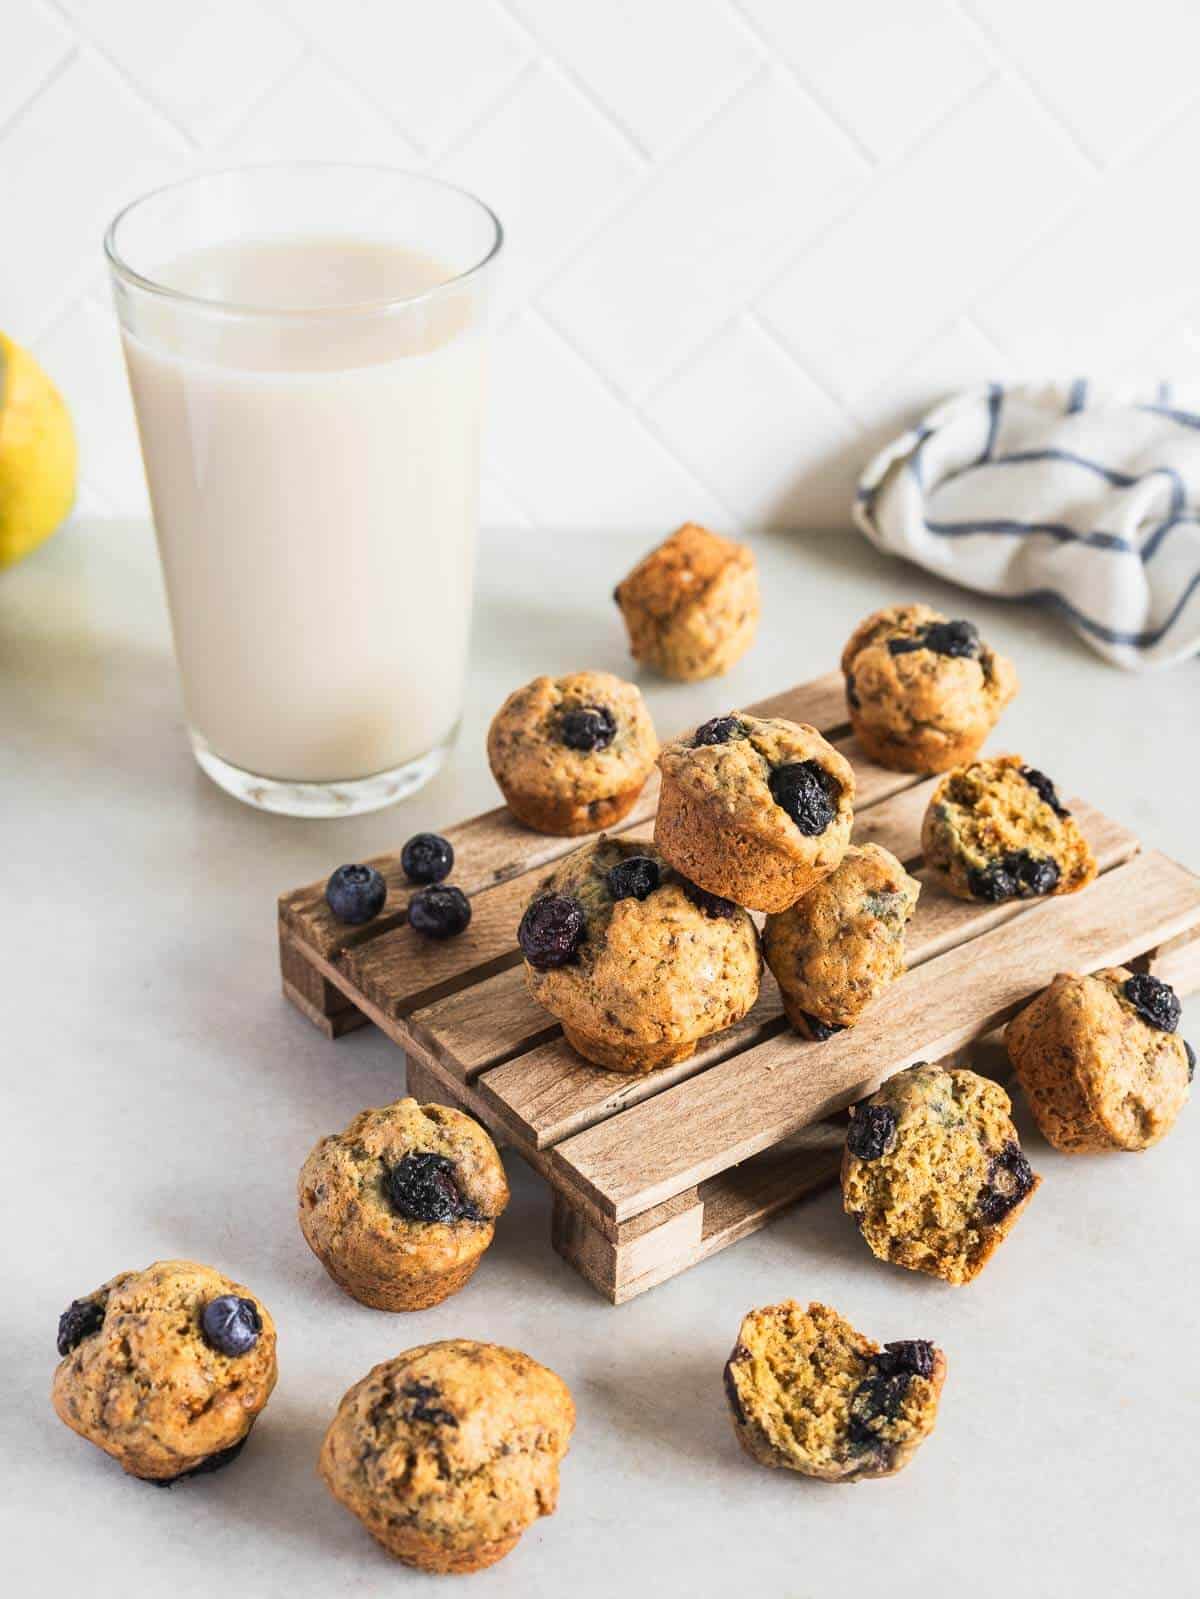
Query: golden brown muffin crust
[
  {"x": 691, "y": 606},
  {"x": 653, "y": 976},
  {"x": 448, "y": 1452},
  {"x": 1097, "y": 1075},
  {"x": 920, "y": 710},
  {"x": 148, "y": 1388},
  {"x": 554, "y": 788},
  {"x": 840, "y": 945},
  {"x": 811, "y": 1394},
  {"x": 380, "y": 1256}
]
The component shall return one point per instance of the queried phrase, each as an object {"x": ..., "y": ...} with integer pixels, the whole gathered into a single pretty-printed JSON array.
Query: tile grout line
[{"x": 24, "y": 107}]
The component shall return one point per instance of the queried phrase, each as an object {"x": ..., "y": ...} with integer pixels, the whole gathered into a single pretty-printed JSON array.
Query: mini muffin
[
  {"x": 572, "y": 754},
  {"x": 637, "y": 964},
  {"x": 839, "y": 947},
  {"x": 811, "y": 1394},
  {"x": 997, "y": 830},
  {"x": 691, "y": 606},
  {"x": 933, "y": 1171},
  {"x": 923, "y": 692},
  {"x": 165, "y": 1369},
  {"x": 1100, "y": 1061},
  {"x": 755, "y": 811},
  {"x": 448, "y": 1452},
  {"x": 400, "y": 1207}
]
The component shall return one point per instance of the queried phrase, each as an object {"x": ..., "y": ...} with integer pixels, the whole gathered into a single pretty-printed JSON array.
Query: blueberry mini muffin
[
  {"x": 691, "y": 607},
  {"x": 809, "y": 1393},
  {"x": 165, "y": 1369},
  {"x": 997, "y": 830},
  {"x": 572, "y": 754},
  {"x": 756, "y": 811},
  {"x": 933, "y": 1171},
  {"x": 839, "y": 947},
  {"x": 447, "y": 1453},
  {"x": 400, "y": 1207},
  {"x": 923, "y": 691},
  {"x": 637, "y": 963},
  {"x": 1100, "y": 1062}
]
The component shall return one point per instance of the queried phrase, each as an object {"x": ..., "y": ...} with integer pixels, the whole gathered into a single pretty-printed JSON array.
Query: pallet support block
[{"x": 651, "y": 1175}]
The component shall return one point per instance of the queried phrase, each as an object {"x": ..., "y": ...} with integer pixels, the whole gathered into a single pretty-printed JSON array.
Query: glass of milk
[{"x": 305, "y": 347}]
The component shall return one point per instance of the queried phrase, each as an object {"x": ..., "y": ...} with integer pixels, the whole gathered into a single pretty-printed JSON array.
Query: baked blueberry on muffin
[
  {"x": 754, "y": 810},
  {"x": 400, "y": 1207},
  {"x": 1100, "y": 1061},
  {"x": 636, "y": 963},
  {"x": 810, "y": 1393},
  {"x": 572, "y": 754},
  {"x": 449, "y": 1452},
  {"x": 923, "y": 691},
  {"x": 997, "y": 830},
  {"x": 839, "y": 947},
  {"x": 691, "y": 606},
  {"x": 933, "y": 1171},
  {"x": 165, "y": 1369}
]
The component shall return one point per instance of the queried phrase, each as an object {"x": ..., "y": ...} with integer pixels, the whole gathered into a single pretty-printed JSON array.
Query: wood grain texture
[
  {"x": 493, "y": 848},
  {"x": 548, "y": 1094},
  {"x": 685, "y": 1135}
]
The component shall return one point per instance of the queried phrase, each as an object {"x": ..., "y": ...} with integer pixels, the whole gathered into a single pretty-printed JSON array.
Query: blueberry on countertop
[
  {"x": 427, "y": 858},
  {"x": 230, "y": 1324},
  {"x": 551, "y": 931},
  {"x": 355, "y": 894},
  {"x": 636, "y": 877},
  {"x": 440, "y": 911}
]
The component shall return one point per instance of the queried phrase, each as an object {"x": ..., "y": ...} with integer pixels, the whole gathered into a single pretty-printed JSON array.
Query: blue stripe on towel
[
  {"x": 995, "y": 400},
  {"x": 1014, "y": 529},
  {"x": 1077, "y": 398},
  {"x": 1109, "y": 635},
  {"x": 1186, "y": 419}
]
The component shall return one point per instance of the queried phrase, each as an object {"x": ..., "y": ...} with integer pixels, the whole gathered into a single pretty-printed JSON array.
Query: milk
[{"x": 314, "y": 480}]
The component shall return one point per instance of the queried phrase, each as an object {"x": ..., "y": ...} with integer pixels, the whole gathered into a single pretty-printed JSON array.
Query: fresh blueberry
[
  {"x": 1045, "y": 789},
  {"x": 1010, "y": 1177},
  {"x": 958, "y": 638},
  {"x": 80, "y": 1320},
  {"x": 440, "y": 911},
  {"x": 1156, "y": 1002},
  {"x": 423, "y": 1188},
  {"x": 551, "y": 931},
  {"x": 818, "y": 1030},
  {"x": 230, "y": 1324},
  {"x": 355, "y": 894},
  {"x": 807, "y": 793},
  {"x": 427, "y": 858},
  {"x": 718, "y": 731},
  {"x": 711, "y": 904},
  {"x": 872, "y": 1131},
  {"x": 636, "y": 877},
  {"x": 587, "y": 728}
]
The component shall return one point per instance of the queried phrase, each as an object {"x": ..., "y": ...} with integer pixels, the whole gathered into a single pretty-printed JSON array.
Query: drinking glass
[{"x": 305, "y": 347}]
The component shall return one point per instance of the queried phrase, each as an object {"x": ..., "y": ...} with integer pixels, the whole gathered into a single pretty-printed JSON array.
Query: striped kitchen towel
[{"x": 1083, "y": 496}]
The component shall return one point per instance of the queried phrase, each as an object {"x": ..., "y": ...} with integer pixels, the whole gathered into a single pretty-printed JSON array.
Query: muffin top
[
  {"x": 645, "y": 955},
  {"x": 166, "y": 1365},
  {"x": 779, "y": 781},
  {"x": 679, "y": 573},
  {"x": 576, "y": 737},
  {"x": 908, "y": 668},
  {"x": 461, "y": 1440},
  {"x": 411, "y": 1178},
  {"x": 999, "y": 828}
]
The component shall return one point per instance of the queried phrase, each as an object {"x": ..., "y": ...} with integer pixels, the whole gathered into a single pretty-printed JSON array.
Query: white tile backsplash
[{"x": 748, "y": 239}]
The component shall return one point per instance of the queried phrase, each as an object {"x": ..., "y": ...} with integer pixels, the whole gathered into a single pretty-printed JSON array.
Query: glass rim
[{"x": 129, "y": 274}]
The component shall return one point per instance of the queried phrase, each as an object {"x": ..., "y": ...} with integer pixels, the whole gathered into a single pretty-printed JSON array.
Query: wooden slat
[
  {"x": 685, "y": 1135},
  {"x": 549, "y": 1094},
  {"x": 493, "y": 848}
]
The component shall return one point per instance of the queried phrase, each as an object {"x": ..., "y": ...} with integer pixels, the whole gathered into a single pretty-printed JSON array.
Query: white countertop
[{"x": 159, "y": 1095}]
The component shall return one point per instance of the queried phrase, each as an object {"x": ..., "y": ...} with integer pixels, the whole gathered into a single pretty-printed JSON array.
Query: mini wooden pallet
[{"x": 653, "y": 1174}]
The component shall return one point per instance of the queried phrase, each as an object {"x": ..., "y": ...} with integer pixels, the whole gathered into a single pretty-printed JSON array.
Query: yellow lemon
[{"x": 38, "y": 456}]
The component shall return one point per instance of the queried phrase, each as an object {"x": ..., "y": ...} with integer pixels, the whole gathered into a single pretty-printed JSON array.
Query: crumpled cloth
[{"x": 1080, "y": 495}]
